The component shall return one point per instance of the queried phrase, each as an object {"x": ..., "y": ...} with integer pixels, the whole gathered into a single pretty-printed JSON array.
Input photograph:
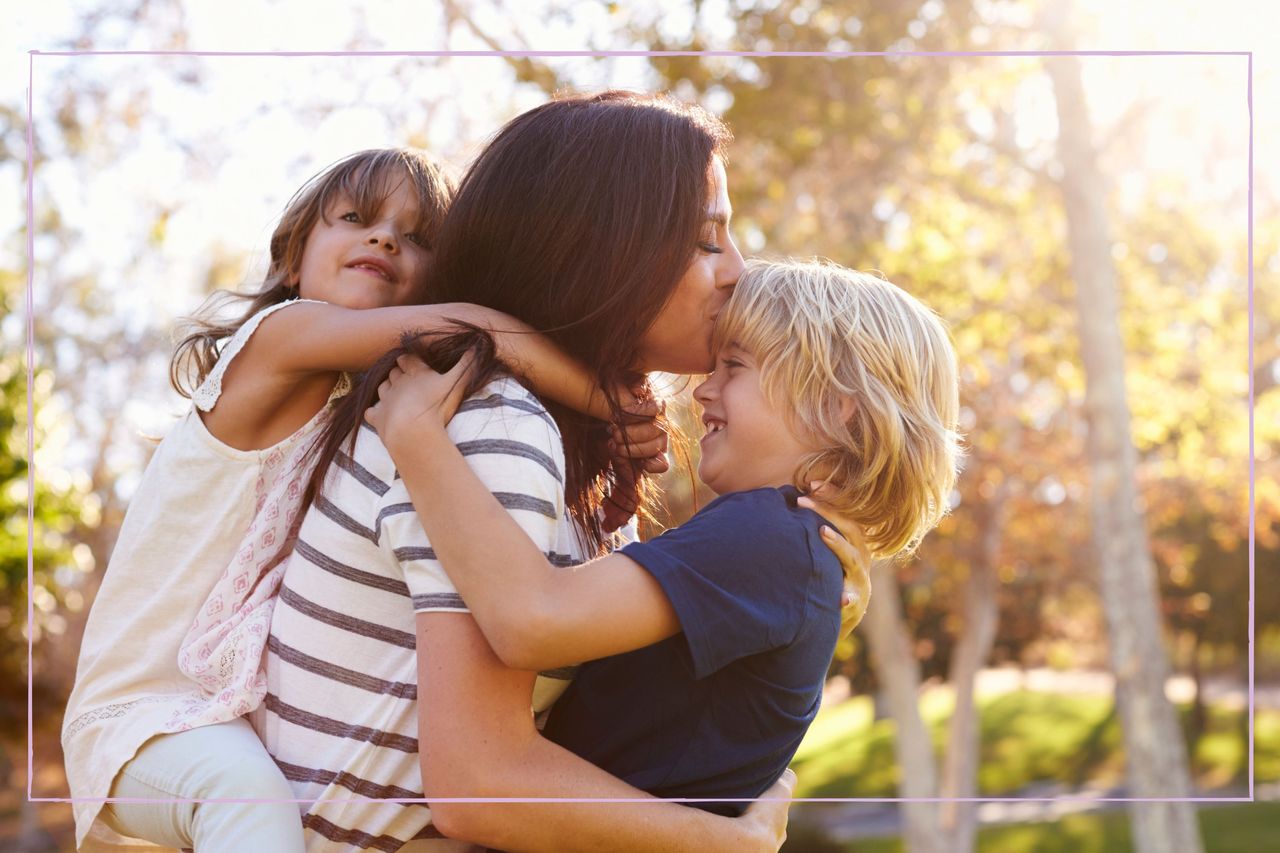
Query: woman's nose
[{"x": 733, "y": 266}]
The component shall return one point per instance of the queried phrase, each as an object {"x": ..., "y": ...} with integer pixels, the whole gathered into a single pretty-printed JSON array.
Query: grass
[
  {"x": 1026, "y": 737},
  {"x": 1225, "y": 829}
]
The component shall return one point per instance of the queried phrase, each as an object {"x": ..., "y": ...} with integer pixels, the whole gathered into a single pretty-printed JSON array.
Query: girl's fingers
[
  {"x": 647, "y": 431},
  {"x": 656, "y": 464},
  {"x": 645, "y": 409},
  {"x": 643, "y": 450}
]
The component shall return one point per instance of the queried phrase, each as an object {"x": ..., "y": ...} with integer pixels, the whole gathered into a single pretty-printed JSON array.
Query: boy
[{"x": 709, "y": 644}]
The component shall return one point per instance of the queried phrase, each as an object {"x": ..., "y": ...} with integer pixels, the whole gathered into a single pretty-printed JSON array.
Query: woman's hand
[
  {"x": 414, "y": 398},
  {"x": 767, "y": 816},
  {"x": 854, "y": 556}
]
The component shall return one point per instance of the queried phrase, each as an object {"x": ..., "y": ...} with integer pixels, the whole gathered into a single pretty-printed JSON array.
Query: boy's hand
[
  {"x": 768, "y": 815},
  {"x": 414, "y": 398},
  {"x": 854, "y": 556}
]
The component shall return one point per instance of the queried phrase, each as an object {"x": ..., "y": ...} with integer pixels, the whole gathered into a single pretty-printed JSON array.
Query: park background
[{"x": 992, "y": 187}]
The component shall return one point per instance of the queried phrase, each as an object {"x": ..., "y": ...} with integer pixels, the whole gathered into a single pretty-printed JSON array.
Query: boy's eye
[{"x": 730, "y": 363}]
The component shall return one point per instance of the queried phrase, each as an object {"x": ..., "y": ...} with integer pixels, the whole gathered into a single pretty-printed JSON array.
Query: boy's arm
[
  {"x": 535, "y": 615},
  {"x": 477, "y": 740},
  {"x": 318, "y": 337}
]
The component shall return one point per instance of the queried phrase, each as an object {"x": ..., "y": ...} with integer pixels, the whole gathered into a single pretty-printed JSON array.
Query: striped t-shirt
[{"x": 340, "y": 715}]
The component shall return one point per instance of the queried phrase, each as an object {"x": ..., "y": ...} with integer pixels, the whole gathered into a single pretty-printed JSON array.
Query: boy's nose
[{"x": 702, "y": 392}]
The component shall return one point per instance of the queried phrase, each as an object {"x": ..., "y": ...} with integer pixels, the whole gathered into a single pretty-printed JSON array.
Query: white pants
[{"x": 226, "y": 760}]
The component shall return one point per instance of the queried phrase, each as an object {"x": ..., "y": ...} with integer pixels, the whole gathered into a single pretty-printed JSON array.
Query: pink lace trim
[{"x": 223, "y": 650}]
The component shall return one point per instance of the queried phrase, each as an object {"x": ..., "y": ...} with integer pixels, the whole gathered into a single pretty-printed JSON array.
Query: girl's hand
[
  {"x": 768, "y": 815},
  {"x": 414, "y": 399},
  {"x": 854, "y": 556},
  {"x": 638, "y": 445},
  {"x": 641, "y": 435}
]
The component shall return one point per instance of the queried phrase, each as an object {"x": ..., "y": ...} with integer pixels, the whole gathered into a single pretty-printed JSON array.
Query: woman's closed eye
[{"x": 710, "y": 248}]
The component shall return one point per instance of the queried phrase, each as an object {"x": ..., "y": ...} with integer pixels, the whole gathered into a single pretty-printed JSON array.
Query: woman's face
[{"x": 679, "y": 341}]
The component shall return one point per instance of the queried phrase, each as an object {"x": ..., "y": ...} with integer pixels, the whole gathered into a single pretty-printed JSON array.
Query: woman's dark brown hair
[
  {"x": 366, "y": 179},
  {"x": 580, "y": 217}
]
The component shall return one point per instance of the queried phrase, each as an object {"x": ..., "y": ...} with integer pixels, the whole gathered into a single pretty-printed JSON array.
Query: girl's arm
[
  {"x": 311, "y": 338},
  {"x": 477, "y": 740}
]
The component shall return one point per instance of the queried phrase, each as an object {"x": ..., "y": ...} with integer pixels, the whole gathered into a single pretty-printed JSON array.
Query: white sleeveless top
[{"x": 184, "y": 530}]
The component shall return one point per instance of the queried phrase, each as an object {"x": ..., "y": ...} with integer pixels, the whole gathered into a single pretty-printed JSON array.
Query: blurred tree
[{"x": 1156, "y": 761}]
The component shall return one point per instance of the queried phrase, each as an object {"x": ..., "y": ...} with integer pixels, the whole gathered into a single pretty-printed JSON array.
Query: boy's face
[
  {"x": 354, "y": 263},
  {"x": 748, "y": 443}
]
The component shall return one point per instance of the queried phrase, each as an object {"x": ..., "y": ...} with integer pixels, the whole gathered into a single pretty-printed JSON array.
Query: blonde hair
[
  {"x": 367, "y": 178},
  {"x": 826, "y": 337}
]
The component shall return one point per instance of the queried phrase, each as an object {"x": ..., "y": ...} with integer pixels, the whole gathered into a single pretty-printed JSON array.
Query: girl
[
  {"x": 604, "y": 220},
  {"x": 349, "y": 265},
  {"x": 709, "y": 645}
]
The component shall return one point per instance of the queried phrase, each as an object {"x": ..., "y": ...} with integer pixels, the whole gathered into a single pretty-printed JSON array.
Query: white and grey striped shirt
[{"x": 340, "y": 716}]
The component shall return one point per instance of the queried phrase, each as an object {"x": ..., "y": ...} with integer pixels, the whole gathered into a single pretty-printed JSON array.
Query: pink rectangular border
[{"x": 30, "y": 352}]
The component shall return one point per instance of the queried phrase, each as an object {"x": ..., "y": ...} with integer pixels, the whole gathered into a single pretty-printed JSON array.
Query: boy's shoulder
[
  {"x": 764, "y": 522},
  {"x": 767, "y": 503}
]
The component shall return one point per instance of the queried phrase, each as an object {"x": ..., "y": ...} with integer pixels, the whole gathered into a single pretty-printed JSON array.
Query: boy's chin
[{"x": 713, "y": 483}]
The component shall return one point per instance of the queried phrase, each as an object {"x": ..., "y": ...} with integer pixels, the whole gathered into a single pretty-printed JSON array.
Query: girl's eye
[
  {"x": 418, "y": 240},
  {"x": 730, "y": 363},
  {"x": 350, "y": 216}
]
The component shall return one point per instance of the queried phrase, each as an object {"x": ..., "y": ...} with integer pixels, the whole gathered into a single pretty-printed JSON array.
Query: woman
[{"x": 602, "y": 220}]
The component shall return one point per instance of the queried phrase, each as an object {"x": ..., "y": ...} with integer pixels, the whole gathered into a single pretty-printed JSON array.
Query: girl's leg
[{"x": 225, "y": 760}]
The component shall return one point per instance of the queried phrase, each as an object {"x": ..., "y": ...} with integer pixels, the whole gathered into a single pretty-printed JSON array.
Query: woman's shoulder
[{"x": 503, "y": 399}]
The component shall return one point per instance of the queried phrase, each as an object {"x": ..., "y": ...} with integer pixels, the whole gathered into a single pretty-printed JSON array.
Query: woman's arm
[
  {"x": 855, "y": 558},
  {"x": 477, "y": 740},
  {"x": 535, "y": 615}
]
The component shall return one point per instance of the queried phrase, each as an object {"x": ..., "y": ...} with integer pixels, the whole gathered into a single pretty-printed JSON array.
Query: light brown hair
[{"x": 366, "y": 178}]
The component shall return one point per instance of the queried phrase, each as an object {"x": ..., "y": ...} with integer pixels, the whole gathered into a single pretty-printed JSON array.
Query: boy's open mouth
[{"x": 713, "y": 425}]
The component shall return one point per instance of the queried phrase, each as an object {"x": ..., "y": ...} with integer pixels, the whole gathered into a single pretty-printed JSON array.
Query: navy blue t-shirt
[{"x": 719, "y": 709}]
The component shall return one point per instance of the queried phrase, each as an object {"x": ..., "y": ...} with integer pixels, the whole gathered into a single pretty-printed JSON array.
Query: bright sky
[{"x": 225, "y": 157}]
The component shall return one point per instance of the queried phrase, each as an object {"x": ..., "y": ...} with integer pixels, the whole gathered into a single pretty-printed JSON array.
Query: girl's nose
[
  {"x": 703, "y": 392},
  {"x": 383, "y": 237}
]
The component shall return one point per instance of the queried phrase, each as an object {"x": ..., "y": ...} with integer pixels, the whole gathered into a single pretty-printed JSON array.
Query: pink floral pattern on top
[{"x": 223, "y": 650}]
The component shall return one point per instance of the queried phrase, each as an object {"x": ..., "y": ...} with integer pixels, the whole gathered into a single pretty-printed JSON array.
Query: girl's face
[
  {"x": 679, "y": 341},
  {"x": 749, "y": 443},
  {"x": 377, "y": 263}
]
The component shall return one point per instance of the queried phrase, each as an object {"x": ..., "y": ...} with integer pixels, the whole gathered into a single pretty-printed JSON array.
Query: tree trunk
[
  {"x": 899, "y": 674},
  {"x": 960, "y": 767},
  {"x": 1156, "y": 761}
]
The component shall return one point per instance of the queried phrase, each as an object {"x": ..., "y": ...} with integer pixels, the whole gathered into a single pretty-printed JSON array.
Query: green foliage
[
  {"x": 1026, "y": 737},
  {"x": 1225, "y": 829},
  {"x": 55, "y": 512}
]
